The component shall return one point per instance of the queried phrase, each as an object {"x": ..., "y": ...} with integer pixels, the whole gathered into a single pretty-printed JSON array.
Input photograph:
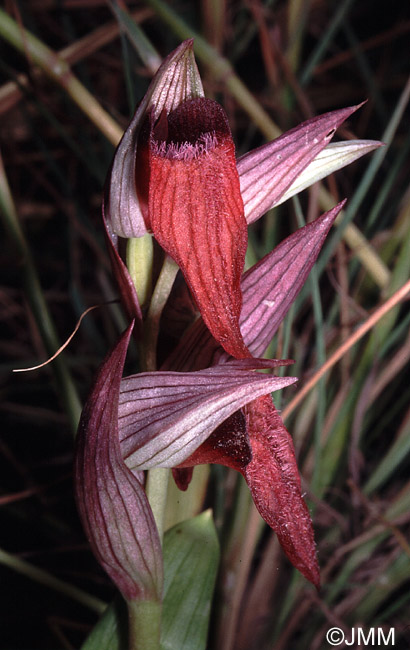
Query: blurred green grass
[{"x": 271, "y": 63}]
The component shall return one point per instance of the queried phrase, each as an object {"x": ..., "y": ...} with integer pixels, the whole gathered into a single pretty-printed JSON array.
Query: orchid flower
[{"x": 175, "y": 174}]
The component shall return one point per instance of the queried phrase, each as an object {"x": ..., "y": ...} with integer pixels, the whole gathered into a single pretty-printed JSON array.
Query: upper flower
[
  {"x": 175, "y": 174},
  {"x": 195, "y": 209}
]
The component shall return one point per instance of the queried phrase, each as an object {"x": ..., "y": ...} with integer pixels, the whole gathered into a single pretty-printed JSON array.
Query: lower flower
[{"x": 255, "y": 442}]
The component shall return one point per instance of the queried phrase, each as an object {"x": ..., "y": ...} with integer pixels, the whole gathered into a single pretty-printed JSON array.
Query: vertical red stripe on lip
[
  {"x": 196, "y": 213},
  {"x": 273, "y": 479}
]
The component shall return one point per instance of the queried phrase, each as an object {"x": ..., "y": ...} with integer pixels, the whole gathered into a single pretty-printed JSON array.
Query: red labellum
[
  {"x": 255, "y": 442},
  {"x": 196, "y": 213},
  {"x": 227, "y": 445},
  {"x": 273, "y": 479}
]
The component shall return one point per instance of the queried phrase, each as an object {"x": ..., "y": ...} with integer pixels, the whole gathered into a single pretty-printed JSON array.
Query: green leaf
[
  {"x": 111, "y": 631},
  {"x": 191, "y": 557}
]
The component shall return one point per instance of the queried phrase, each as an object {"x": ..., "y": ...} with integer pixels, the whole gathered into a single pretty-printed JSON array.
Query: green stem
[
  {"x": 157, "y": 489},
  {"x": 140, "y": 256},
  {"x": 159, "y": 298},
  {"x": 144, "y": 624},
  {"x": 35, "y": 296},
  {"x": 139, "y": 263},
  {"x": 157, "y": 479}
]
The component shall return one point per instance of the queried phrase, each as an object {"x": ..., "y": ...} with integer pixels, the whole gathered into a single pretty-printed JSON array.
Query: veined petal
[
  {"x": 255, "y": 442},
  {"x": 273, "y": 479},
  {"x": 270, "y": 287},
  {"x": 266, "y": 173},
  {"x": 333, "y": 157},
  {"x": 165, "y": 416},
  {"x": 113, "y": 507},
  {"x": 176, "y": 80},
  {"x": 123, "y": 278},
  {"x": 196, "y": 212}
]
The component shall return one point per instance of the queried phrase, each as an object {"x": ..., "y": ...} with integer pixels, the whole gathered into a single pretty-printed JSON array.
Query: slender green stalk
[
  {"x": 140, "y": 257},
  {"x": 67, "y": 390},
  {"x": 144, "y": 624},
  {"x": 359, "y": 246},
  {"x": 58, "y": 69},
  {"x": 139, "y": 262},
  {"x": 45, "y": 578},
  {"x": 382, "y": 197},
  {"x": 73, "y": 53},
  {"x": 157, "y": 479},
  {"x": 157, "y": 489},
  {"x": 233, "y": 549},
  {"x": 151, "y": 326},
  {"x": 394, "y": 457}
]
